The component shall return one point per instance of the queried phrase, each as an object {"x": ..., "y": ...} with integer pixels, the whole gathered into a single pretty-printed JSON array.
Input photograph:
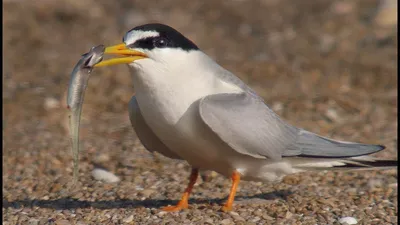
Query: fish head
[{"x": 94, "y": 56}]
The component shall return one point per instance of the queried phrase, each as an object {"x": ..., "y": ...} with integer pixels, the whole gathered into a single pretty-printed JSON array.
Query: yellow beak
[{"x": 128, "y": 55}]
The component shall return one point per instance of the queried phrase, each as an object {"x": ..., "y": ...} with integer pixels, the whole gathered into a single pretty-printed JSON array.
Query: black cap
[{"x": 167, "y": 37}]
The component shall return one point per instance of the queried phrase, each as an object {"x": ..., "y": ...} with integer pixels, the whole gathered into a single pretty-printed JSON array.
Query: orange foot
[
  {"x": 174, "y": 208},
  {"x": 226, "y": 208}
]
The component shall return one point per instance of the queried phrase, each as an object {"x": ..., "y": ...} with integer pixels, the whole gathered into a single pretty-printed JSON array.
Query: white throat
[{"x": 169, "y": 81}]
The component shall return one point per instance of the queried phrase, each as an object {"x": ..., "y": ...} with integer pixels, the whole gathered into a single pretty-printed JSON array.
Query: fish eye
[{"x": 160, "y": 42}]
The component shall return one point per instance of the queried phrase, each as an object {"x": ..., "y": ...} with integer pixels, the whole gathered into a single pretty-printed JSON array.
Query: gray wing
[
  {"x": 149, "y": 140},
  {"x": 248, "y": 126}
]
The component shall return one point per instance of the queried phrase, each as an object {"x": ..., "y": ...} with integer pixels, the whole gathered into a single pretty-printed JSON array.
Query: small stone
[
  {"x": 348, "y": 220},
  {"x": 180, "y": 166},
  {"x": 103, "y": 175},
  {"x": 102, "y": 158},
  {"x": 226, "y": 222},
  {"x": 238, "y": 218},
  {"x": 255, "y": 219},
  {"x": 267, "y": 217},
  {"x": 51, "y": 103},
  {"x": 373, "y": 183},
  {"x": 208, "y": 221},
  {"x": 62, "y": 222},
  {"x": 351, "y": 190},
  {"x": 332, "y": 115},
  {"x": 161, "y": 214},
  {"x": 277, "y": 106},
  {"x": 43, "y": 221},
  {"x": 258, "y": 213},
  {"x": 78, "y": 195},
  {"x": 234, "y": 213},
  {"x": 147, "y": 192},
  {"x": 33, "y": 222},
  {"x": 128, "y": 219}
]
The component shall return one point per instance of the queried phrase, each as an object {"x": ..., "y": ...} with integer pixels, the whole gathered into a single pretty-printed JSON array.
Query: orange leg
[
  {"x": 235, "y": 182},
  {"x": 183, "y": 203}
]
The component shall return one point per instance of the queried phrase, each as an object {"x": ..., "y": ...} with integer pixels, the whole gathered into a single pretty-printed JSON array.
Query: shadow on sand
[{"x": 70, "y": 203}]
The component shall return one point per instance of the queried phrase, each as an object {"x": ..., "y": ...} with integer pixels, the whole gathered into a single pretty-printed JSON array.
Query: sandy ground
[{"x": 327, "y": 66}]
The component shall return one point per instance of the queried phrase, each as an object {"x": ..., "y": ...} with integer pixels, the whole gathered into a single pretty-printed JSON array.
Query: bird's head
[{"x": 149, "y": 45}]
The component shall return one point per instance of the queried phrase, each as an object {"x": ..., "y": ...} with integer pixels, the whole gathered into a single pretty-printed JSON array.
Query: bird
[{"x": 186, "y": 106}]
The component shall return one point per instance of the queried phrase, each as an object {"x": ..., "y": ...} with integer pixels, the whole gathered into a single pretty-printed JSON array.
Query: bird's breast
[{"x": 167, "y": 98}]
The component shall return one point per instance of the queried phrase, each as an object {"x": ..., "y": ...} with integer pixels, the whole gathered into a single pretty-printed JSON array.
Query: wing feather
[{"x": 247, "y": 125}]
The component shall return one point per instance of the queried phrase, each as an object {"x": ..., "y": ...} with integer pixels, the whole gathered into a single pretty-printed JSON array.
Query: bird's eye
[{"x": 160, "y": 42}]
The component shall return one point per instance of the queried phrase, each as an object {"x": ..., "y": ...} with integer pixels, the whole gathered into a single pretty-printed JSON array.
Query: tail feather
[
  {"x": 368, "y": 161},
  {"x": 353, "y": 163}
]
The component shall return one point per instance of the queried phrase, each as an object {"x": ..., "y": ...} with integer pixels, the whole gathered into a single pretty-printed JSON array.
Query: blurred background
[{"x": 329, "y": 66}]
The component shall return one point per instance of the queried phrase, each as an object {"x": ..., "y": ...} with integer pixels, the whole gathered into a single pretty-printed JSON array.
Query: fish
[{"x": 76, "y": 93}]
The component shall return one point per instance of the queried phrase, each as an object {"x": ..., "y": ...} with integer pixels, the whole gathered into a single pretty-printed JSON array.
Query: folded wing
[{"x": 249, "y": 127}]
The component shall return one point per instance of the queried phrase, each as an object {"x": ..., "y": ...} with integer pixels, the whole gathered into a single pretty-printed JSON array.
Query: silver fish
[{"x": 76, "y": 93}]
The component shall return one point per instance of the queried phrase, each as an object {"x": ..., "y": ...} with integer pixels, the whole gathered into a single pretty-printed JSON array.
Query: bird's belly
[{"x": 189, "y": 138}]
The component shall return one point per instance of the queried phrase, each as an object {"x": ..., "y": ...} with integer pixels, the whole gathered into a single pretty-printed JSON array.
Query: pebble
[
  {"x": 267, "y": 217},
  {"x": 288, "y": 215},
  {"x": 128, "y": 219},
  {"x": 277, "y": 106},
  {"x": 332, "y": 114},
  {"x": 147, "y": 192},
  {"x": 226, "y": 222},
  {"x": 162, "y": 213},
  {"x": 373, "y": 183},
  {"x": 63, "y": 222},
  {"x": 102, "y": 158},
  {"x": 208, "y": 221},
  {"x": 103, "y": 175},
  {"x": 256, "y": 219},
  {"x": 51, "y": 103},
  {"x": 238, "y": 218},
  {"x": 33, "y": 222},
  {"x": 234, "y": 213},
  {"x": 348, "y": 220}
]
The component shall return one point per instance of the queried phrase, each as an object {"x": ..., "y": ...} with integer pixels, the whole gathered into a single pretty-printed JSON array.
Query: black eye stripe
[
  {"x": 161, "y": 42},
  {"x": 146, "y": 43}
]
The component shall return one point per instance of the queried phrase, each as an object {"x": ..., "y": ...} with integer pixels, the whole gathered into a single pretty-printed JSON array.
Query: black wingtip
[
  {"x": 390, "y": 163},
  {"x": 381, "y": 147}
]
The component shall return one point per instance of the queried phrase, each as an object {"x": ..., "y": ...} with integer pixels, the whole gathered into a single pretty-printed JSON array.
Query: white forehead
[{"x": 134, "y": 35}]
